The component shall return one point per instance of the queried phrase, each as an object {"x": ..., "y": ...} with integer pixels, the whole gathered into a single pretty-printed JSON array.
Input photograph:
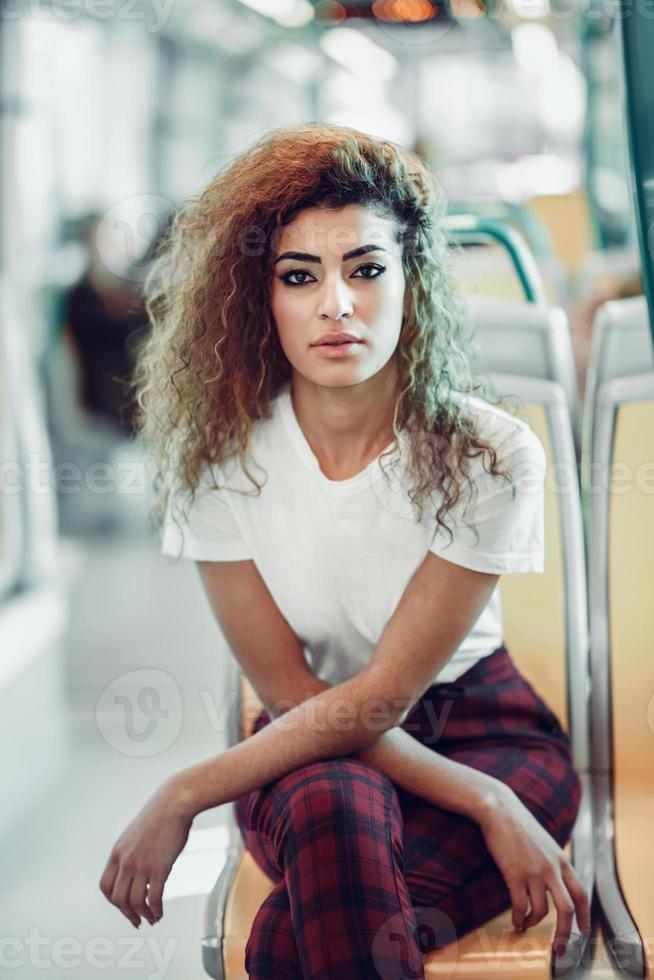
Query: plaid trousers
[{"x": 368, "y": 877}]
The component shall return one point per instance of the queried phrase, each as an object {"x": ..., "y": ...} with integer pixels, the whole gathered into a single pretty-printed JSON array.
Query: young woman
[{"x": 351, "y": 498}]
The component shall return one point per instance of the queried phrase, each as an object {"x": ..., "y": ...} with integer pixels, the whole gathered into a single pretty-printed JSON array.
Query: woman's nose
[{"x": 335, "y": 298}]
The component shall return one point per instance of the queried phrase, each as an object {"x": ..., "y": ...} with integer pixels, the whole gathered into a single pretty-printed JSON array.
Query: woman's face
[{"x": 324, "y": 289}]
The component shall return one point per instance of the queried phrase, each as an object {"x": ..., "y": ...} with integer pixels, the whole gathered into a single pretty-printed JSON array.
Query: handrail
[
  {"x": 518, "y": 216},
  {"x": 470, "y": 229}
]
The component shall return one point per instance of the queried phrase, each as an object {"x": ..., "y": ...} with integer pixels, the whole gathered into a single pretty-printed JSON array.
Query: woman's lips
[{"x": 338, "y": 350}]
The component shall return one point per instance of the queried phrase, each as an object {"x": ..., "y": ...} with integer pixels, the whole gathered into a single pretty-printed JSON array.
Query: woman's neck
[{"x": 346, "y": 427}]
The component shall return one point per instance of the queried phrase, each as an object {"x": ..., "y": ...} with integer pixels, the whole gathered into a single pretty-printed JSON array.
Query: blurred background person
[{"x": 104, "y": 316}]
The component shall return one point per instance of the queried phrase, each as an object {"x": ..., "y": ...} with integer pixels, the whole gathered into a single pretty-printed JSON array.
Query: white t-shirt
[{"x": 337, "y": 555}]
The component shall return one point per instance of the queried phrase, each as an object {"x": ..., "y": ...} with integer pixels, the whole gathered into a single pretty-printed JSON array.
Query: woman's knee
[{"x": 346, "y": 788}]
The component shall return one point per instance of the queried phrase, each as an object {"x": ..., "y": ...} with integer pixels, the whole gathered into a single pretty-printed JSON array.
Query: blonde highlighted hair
[{"x": 212, "y": 362}]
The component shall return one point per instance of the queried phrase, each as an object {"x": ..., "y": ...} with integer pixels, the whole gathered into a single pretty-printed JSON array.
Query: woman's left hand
[
  {"x": 532, "y": 863},
  {"x": 142, "y": 857}
]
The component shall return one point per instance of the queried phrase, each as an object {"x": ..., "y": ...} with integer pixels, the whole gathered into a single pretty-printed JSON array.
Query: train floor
[{"x": 131, "y": 610}]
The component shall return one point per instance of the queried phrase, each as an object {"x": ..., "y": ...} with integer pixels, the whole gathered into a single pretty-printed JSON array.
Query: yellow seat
[
  {"x": 545, "y": 630},
  {"x": 622, "y": 625}
]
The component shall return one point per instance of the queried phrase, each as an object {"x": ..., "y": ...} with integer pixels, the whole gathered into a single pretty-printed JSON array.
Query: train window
[
  {"x": 607, "y": 154},
  {"x": 79, "y": 115}
]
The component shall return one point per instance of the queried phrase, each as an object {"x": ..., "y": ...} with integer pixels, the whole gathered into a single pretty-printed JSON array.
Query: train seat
[
  {"x": 488, "y": 271},
  {"x": 500, "y": 249},
  {"x": 621, "y": 346},
  {"x": 621, "y": 572},
  {"x": 546, "y": 630},
  {"x": 526, "y": 339}
]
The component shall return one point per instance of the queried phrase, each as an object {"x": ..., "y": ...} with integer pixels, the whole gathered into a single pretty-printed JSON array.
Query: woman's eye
[
  {"x": 296, "y": 272},
  {"x": 380, "y": 270},
  {"x": 373, "y": 265}
]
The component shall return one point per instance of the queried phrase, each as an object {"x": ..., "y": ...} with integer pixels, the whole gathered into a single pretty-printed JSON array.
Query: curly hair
[{"x": 212, "y": 362}]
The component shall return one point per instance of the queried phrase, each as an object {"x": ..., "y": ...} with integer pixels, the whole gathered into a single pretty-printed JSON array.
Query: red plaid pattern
[{"x": 369, "y": 877}]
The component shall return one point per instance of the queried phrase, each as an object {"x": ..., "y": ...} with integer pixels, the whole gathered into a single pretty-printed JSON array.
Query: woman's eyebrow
[{"x": 306, "y": 257}]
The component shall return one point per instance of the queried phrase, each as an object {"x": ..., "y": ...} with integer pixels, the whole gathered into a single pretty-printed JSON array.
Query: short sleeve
[
  {"x": 510, "y": 526},
  {"x": 209, "y": 531}
]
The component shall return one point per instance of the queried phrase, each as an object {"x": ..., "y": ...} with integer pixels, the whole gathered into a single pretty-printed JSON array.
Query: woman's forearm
[
  {"x": 334, "y": 722},
  {"x": 432, "y": 776},
  {"x": 414, "y": 766},
  {"x": 410, "y": 764}
]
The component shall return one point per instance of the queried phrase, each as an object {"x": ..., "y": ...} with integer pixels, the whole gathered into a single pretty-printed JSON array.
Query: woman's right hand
[{"x": 532, "y": 863}]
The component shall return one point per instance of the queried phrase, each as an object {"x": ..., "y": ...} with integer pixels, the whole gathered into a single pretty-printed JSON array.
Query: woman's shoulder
[
  {"x": 505, "y": 432},
  {"x": 518, "y": 449}
]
